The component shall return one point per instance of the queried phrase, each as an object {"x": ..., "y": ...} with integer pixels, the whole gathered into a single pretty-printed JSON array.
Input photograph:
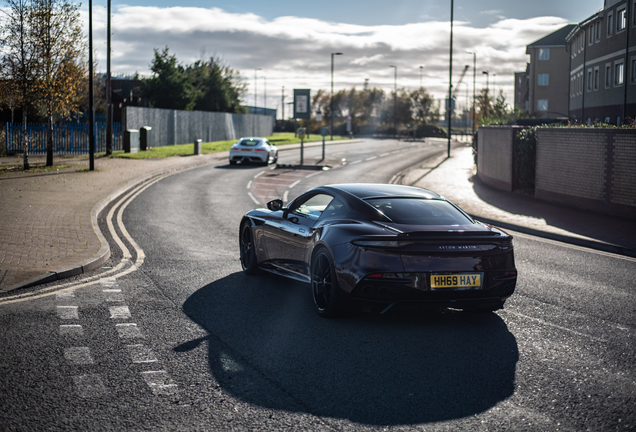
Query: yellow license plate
[
  {"x": 246, "y": 149},
  {"x": 457, "y": 281}
]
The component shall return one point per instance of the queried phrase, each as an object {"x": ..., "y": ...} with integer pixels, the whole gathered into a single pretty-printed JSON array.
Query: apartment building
[
  {"x": 547, "y": 76},
  {"x": 603, "y": 65}
]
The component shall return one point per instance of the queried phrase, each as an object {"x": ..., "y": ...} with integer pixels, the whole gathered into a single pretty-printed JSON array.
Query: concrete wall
[
  {"x": 494, "y": 156},
  {"x": 170, "y": 127},
  {"x": 588, "y": 168}
]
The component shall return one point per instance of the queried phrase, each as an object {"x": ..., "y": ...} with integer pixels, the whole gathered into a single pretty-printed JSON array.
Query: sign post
[
  {"x": 301, "y": 135},
  {"x": 302, "y": 110},
  {"x": 323, "y": 131}
]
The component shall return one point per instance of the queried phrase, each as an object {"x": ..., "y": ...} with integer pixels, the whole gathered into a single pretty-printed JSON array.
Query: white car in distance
[{"x": 253, "y": 149}]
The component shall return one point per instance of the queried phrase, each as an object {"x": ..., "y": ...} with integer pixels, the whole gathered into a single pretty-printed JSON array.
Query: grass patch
[{"x": 279, "y": 139}]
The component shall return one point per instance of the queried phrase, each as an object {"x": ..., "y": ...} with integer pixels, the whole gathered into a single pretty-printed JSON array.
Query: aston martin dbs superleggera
[{"x": 378, "y": 246}]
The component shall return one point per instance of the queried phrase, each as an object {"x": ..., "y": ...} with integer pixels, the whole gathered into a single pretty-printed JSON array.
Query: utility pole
[
  {"x": 109, "y": 107},
  {"x": 449, "y": 109},
  {"x": 91, "y": 104},
  {"x": 474, "y": 84},
  {"x": 394, "y": 99},
  {"x": 331, "y": 103}
]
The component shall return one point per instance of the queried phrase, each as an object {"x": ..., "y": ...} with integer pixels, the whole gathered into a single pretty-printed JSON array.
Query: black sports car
[{"x": 380, "y": 245}]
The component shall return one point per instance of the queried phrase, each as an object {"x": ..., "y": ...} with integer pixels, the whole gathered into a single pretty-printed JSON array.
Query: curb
[
  {"x": 104, "y": 252},
  {"x": 591, "y": 244}
]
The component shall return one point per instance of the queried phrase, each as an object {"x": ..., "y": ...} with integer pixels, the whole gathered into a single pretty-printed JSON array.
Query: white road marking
[
  {"x": 159, "y": 382},
  {"x": 249, "y": 184},
  {"x": 128, "y": 331},
  {"x": 108, "y": 282},
  {"x": 553, "y": 325},
  {"x": 311, "y": 175},
  {"x": 65, "y": 294},
  {"x": 74, "y": 330},
  {"x": 141, "y": 354},
  {"x": 253, "y": 198},
  {"x": 113, "y": 295},
  {"x": 286, "y": 196},
  {"x": 78, "y": 355},
  {"x": 385, "y": 154},
  {"x": 259, "y": 174},
  {"x": 119, "y": 312},
  {"x": 372, "y": 158},
  {"x": 355, "y": 162},
  {"x": 67, "y": 312},
  {"x": 88, "y": 386},
  {"x": 294, "y": 184}
]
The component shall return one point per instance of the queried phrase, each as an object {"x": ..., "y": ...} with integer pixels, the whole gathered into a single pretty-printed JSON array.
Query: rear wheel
[
  {"x": 249, "y": 262},
  {"x": 232, "y": 162},
  {"x": 328, "y": 297}
]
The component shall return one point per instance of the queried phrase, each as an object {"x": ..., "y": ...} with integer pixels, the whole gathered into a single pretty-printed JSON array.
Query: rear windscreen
[
  {"x": 417, "y": 211},
  {"x": 249, "y": 142}
]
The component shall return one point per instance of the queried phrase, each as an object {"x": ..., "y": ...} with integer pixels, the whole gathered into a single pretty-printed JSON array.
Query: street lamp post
[
  {"x": 474, "y": 82},
  {"x": 449, "y": 109},
  {"x": 255, "y": 109},
  {"x": 487, "y": 78},
  {"x": 421, "y": 67},
  {"x": 394, "y": 99},
  {"x": 331, "y": 103},
  {"x": 265, "y": 95}
]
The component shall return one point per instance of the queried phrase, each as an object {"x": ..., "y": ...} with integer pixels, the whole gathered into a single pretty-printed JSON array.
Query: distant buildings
[{"x": 586, "y": 72}]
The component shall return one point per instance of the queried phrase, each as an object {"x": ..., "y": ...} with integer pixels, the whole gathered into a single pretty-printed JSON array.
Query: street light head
[
  {"x": 485, "y": 72},
  {"x": 337, "y": 53}
]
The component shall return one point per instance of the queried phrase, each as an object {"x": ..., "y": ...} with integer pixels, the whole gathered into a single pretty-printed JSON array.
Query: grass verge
[{"x": 279, "y": 139}]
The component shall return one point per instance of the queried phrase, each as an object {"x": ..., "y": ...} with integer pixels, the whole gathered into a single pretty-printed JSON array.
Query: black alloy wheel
[
  {"x": 249, "y": 262},
  {"x": 325, "y": 291}
]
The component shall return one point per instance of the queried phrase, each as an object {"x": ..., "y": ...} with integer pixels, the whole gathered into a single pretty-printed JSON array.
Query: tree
[
  {"x": 424, "y": 109},
  {"x": 170, "y": 86},
  {"x": 60, "y": 65},
  {"x": 19, "y": 57},
  {"x": 217, "y": 87}
]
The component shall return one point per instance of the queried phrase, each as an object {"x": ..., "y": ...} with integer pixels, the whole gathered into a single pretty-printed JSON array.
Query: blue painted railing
[{"x": 70, "y": 138}]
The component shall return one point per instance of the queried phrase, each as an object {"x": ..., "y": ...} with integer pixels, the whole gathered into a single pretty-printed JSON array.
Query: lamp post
[
  {"x": 449, "y": 109},
  {"x": 474, "y": 81},
  {"x": 255, "y": 109},
  {"x": 394, "y": 98},
  {"x": 421, "y": 67},
  {"x": 91, "y": 106},
  {"x": 265, "y": 95},
  {"x": 283, "y": 104},
  {"x": 331, "y": 103},
  {"x": 487, "y": 78},
  {"x": 494, "y": 83}
]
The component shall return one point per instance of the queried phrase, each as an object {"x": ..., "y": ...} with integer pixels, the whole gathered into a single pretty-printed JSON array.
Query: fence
[
  {"x": 170, "y": 127},
  {"x": 67, "y": 138}
]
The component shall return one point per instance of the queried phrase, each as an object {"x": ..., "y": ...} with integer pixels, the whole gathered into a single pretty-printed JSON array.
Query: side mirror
[{"x": 275, "y": 205}]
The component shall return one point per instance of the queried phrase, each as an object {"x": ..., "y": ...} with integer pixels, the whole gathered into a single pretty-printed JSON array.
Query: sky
[{"x": 291, "y": 42}]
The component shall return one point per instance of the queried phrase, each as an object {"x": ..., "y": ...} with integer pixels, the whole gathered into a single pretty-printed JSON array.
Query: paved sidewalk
[{"x": 456, "y": 179}]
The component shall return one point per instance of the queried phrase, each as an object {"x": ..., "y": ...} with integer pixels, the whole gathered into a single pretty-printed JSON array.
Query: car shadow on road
[{"x": 268, "y": 347}]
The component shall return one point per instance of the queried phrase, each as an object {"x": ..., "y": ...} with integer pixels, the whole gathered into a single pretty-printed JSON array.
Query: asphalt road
[{"x": 188, "y": 342}]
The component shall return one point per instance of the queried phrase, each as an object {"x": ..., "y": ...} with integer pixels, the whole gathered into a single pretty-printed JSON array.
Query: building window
[
  {"x": 621, "y": 20},
  {"x": 544, "y": 53},
  {"x": 598, "y": 31},
  {"x": 589, "y": 80},
  {"x": 633, "y": 70},
  {"x": 597, "y": 77},
  {"x": 608, "y": 75},
  {"x": 543, "y": 79},
  {"x": 618, "y": 74},
  {"x": 591, "y": 31},
  {"x": 542, "y": 105},
  {"x": 610, "y": 23}
]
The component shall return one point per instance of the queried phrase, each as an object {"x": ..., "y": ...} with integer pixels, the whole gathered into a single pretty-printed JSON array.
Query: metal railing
[{"x": 69, "y": 138}]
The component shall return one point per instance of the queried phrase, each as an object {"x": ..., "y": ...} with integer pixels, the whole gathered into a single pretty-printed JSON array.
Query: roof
[
  {"x": 557, "y": 38},
  {"x": 372, "y": 190}
]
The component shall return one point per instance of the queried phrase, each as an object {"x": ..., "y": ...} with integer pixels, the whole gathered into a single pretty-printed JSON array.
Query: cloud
[{"x": 295, "y": 52}]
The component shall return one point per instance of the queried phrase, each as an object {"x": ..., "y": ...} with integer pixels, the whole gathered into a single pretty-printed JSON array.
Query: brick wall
[
  {"x": 587, "y": 168},
  {"x": 494, "y": 156}
]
